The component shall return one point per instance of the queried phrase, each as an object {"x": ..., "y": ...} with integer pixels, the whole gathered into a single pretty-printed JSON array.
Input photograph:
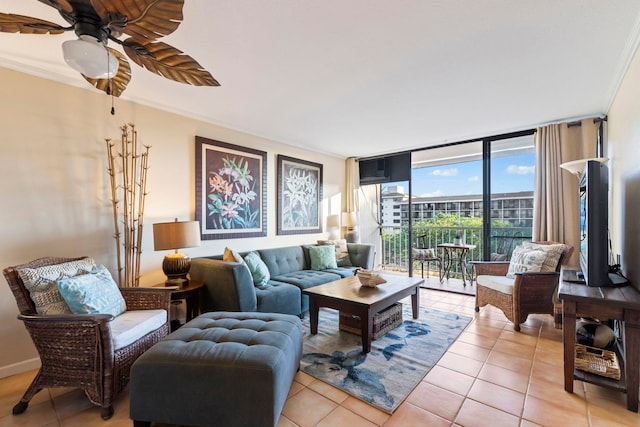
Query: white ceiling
[{"x": 365, "y": 77}]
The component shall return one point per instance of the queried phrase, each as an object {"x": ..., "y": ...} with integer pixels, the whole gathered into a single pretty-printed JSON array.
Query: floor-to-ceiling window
[{"x": 478, "y": 193}]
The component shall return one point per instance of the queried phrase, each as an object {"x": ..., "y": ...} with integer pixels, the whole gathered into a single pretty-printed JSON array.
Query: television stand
[{"x": 616, "y": 303}]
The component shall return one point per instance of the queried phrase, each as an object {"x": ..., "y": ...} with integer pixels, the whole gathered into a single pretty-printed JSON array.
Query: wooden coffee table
[{"x": 350, "y": 296}]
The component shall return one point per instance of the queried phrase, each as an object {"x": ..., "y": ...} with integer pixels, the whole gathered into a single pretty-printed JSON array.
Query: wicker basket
[
  {"x": 384, "y": 321},
  {"x": 597, "y": 361}
]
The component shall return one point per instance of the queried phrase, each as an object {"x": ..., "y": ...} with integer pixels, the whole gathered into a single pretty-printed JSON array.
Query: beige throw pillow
[
  {"x": 553, "y": 253},
  {"x": 230, "y": 255},
  {"x": 525, "y": 260}
]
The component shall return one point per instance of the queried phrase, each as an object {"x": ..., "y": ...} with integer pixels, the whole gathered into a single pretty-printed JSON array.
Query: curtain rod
[{"x": 579, "y": 122}]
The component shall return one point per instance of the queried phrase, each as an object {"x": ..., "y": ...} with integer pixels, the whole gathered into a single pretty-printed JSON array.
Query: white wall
[
  {"x": 623, "y": 151},
  {"x": 55, "y": 188}
]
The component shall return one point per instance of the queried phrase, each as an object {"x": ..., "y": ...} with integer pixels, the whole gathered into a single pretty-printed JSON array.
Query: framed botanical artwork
[
  {"x": 299, "y": 196},
  {"x": 231, "y": 190}
]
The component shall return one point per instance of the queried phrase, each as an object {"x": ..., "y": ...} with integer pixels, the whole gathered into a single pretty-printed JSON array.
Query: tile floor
[{"x": 491, "y": 376}]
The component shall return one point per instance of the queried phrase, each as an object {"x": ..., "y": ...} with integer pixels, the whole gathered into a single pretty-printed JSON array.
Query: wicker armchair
[
  {"x": 528, "y": 293},
  {"x": 77, "y": 350}
]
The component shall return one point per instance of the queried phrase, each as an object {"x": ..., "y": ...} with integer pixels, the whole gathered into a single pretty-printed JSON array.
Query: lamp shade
[
  {"x": 333, "y": 221},
  {"x": 90, "y": 57},
  {"x": 350, "y": 219},
  {"x": 576, "y": 167},
  {"x": 176, "y": 235}
]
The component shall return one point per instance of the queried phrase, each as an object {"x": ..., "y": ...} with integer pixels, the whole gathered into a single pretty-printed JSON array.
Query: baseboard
[{"x": 17, "y": 368}]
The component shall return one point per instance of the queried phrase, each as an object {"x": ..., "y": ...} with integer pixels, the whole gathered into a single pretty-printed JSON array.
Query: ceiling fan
[{"x": 95, "y": 22}]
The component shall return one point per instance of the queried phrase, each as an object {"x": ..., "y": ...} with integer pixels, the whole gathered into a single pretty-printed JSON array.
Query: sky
[{"x": 509, "y": 174}]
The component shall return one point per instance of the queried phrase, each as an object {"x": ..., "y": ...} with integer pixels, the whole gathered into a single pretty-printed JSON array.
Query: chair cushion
[
  {"x": 525, "y": 260},
  {"x": 92, "y": 293},
  {"x": 424, "y": 254},
  {"x": 41, "y": 284},
  {"x": 553, "y": 253},
  {"x": 258, "y": 269},
  {"x": 322, "y": 257},
  {"x": 497, "y": 283},
  {"x": 132, "y": 325}
]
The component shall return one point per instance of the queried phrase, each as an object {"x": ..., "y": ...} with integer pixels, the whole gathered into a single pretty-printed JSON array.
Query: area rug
[
  {"x": 398, "y": 361},
  {"x": 451, "y": 285}
]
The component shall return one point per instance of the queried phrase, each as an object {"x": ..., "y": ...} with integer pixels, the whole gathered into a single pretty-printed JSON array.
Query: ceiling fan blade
[
  {"x": 10, "y": 23},
  {"x": 119, "y": 82},
  {"x": 60, "y": 5},
  {"x": 147, "y": 19},
  {"x": 169, "y": 62}
]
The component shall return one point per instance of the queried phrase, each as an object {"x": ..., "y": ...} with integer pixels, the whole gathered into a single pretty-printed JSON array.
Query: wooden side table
[
  {"x": 190, "y": 293},
  {"x": 621, "y": 304}
]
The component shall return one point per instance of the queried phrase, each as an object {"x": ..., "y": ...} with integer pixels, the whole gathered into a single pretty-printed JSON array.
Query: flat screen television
[{"x": 594, "y": 227}]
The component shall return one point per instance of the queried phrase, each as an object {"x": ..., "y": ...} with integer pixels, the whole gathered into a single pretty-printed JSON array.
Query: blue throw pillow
[
  {"x": 259, "y": 270},
  {"x": 322, "y": 257},
  {"x": 92, "y": 293}
]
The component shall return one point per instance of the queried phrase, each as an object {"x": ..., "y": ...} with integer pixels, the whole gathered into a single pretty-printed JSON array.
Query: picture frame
[
  {"x": 299, "y": 204},
  {"x": 231, "y": 190}
]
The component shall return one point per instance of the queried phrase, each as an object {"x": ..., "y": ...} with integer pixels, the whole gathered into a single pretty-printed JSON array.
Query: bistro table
[{"x": 459, "y": 253}]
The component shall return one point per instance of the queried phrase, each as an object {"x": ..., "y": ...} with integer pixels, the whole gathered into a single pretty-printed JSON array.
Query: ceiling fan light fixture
[{"x": 90, "y": 57}]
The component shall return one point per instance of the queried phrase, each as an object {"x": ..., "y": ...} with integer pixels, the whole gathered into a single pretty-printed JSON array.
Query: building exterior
[{"x": 515, "y": 208}]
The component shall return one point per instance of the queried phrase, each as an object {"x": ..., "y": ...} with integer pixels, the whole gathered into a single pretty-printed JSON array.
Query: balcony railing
[{"x": 396, "y": 245}]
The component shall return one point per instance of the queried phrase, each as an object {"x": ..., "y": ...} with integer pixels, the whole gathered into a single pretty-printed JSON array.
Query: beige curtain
[
  {"x": 351, "y": 185},
  {"x": 555, "y": 200}
]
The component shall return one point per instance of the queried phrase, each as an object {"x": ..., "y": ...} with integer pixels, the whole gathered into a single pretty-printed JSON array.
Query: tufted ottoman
[{"x": 219, "y": 369}]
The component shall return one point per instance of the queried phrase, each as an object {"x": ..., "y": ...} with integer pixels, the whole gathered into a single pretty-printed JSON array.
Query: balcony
[{"x": 395, "y": 244}]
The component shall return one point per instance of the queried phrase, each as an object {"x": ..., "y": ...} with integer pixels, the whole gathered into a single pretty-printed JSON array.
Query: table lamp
[
  {"x": 333, "y": 226},
  {"x": 350, "y": 221},
  {"x": 176, "y": 235}
]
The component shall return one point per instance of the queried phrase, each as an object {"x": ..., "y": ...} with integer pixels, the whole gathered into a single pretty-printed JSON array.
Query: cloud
[
  {"x": 520, "y": 170},
  {"x": 437, "y": 193},
  {"x": 474, "y": 178},
  {"x": 445, "y": 172}
]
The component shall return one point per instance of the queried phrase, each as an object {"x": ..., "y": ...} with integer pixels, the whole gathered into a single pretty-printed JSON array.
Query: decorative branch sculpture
[{"x": 129, "y": 183}]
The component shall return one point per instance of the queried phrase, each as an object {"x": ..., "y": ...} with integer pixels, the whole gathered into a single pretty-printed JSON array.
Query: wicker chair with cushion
[
  {"x": 524, "y": 285},
  {"x": 93, "y": 352}
]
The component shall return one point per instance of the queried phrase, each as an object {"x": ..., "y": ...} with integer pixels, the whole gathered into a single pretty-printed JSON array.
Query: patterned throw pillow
[
  {"x": 322, "y": 257},
  {"x": 258, "y": 269},
  {"x": 525, "y": 260},
  {"x": 41, "y": 284},
  {"x": 342, "y": 253},
  {"x": 92, "y": 293},
  {"x": 553, "y": 253}
]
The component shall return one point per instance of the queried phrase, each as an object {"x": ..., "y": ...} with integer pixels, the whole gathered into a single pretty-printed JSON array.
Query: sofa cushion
[
  {"x": 322, "y": 257},
  {"x": 279, "y": 297},
  {"x": 342, "y": 271},
  {"x": 283, "y": 260},
  {"x": 132, "y": 325},
  {"x": 92, "y": 293},
  {"x": 525, "y": 260},
  {"x": 41, "y": 284},
  {"x": 258, "y": 269},
  {"x": 307, "y": 278}
]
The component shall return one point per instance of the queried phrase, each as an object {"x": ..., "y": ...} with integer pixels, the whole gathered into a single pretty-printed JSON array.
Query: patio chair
[
  {"x": 423, "y": 254},
  {"x": 527, "y": 292},
  {"x": 90, "y": 352}
]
